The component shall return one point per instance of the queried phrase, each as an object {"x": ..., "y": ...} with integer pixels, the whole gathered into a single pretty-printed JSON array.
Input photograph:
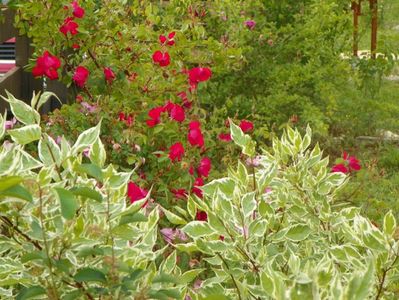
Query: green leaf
[
  {"x": 169, "y": 263},
  {"x": 90, "y": 274},
  {"x": 359, "y": 285},
  {"x": 22, "y": 111},
  {"x": 189, "y": 276},
  {"x": 26, "y": 135},
  {"x": 173, "y": 218},
  {"x": 68, "y": 203},
  {"x": 248, "y": 204},
  {"x": 298, "y": 232},
  {"x": 87, "y": 192},
  {"x": 91, "y": 170},
  {"x": 242, "y": 140},
  {"x": 28, "y": 162},
  {"x": 3, "y": 125},
  {"x": 86, "y": 139},
  {"x": 389, "y": 223},
  {"x": 133, "y": 218},
  {"x": 165, "y": 278},
  {"x": 9, "y": 181},
  {"x": 30, "y": 292},
  {"x": 44, "y": 98},
  {"x": 49, "y": 152},
  {"x": 17, "y": 191},
  {"x": 267, "y": 283},
  {"x": 97, "y": 153},
  {"x": 226, "y": 186},
  {"x": 197, "y": 229}
]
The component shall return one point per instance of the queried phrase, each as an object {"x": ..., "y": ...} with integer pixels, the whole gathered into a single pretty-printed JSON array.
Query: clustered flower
[
  {"x": 47, "y": 65},
  {"x": 161, "y": 58},
  {"x": 169, "y": 40},
  {"x": 128, "y": 119},
  {"x": 69, "y": 24},
  {"x": 350, "y": 164}
]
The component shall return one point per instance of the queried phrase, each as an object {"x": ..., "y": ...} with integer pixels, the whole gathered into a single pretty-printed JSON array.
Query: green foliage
[
  {"x": 291, "y": 240},
  {"x": 62, "y": 223}
]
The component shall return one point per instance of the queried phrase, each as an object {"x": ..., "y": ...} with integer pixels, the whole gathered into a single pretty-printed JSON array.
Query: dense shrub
[{"x": 270, "y": 229}]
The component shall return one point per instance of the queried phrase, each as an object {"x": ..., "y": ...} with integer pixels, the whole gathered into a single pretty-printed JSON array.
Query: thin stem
[
  {"x": 384, "y": 274},
  {"x": 94, "y": 59},
  {"x": 54, "y": 161},
  {"x": 232, "y": 277},
  {"x": 10, "y": 224},
  {"x": 46, "y": 247},
  {"x": 110, "y": 234}
]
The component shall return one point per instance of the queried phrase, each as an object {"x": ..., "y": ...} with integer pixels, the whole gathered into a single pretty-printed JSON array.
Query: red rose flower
[
  {"x": 176, "y": 152},
  {"x": 197, "y": 75},
  {"x": 246, "y": 126},
  {"x": 197, "y": 183},
  {"x": 225, "y": 137},
  {"x": 135, "y": 193},
  {"x": 155, "y": 116},
  {"x": 168, "y": 40},
  {"x": 205, "y": 167},
  {"x": 352, "y": 161},
  {"x": 121, "y": 116},
  {"x": 69, "y": 26},
  {"x": 109, "y": 75},
  {"x": 161, "y": 58},
  {"x": 176, "y": 112},
  {"x": 80, "y": 76},
  {"x": 75, "y": 46},
  {"x": 78, "y": 12},
  {"x": 201, "y": 216},
  {"x": 180, "y": 193},
  {"x": 195, "y": 136},
  {"x": 350, "y": 164},
  {"x": 191, "y": 170},
  {"x": 339, "y": 168},
  {"x": 47, "y": 65}
]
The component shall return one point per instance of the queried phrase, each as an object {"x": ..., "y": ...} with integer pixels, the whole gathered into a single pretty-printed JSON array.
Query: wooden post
[
  {"x": 374, "y": 27},
  {"x": 356, "y": 13}
]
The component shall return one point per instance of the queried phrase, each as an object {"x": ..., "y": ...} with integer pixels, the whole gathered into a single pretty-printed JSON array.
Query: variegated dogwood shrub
[
  {"x": 67, "y": 228},
  {"x": 275, "y": 231}
]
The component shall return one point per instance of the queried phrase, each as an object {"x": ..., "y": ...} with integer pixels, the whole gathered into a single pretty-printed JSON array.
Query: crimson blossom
[
  {"x": 246, "y": 126},
  {"x": 80, "y": 76},
  {"x": 47, "y": 65},
  {"x": 161, "y": 58},
  {"x": 109, "y": 75},
  {"x": 180, "y": 193},
  {"x": 135, "y": 193},
  {"x": 197, "y": 75},
  {"x": 176, "y": 112},
  {"x": 196, "y": 190},
  {"x": 169, "y": 40},
  {"x": 350, "y": 164},
  {"x": 155, "y": 116},
  {"x": 204, "y": 167},
  {"x": 195, "y": 136},
  {"x": 176, "y": 152},
  {"x": 78, "y": 11},
  {"x": 70, "y": 26}
]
